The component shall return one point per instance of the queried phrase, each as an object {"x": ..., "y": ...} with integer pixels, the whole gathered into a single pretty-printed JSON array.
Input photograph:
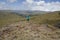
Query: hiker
[{"x": 28, "y": 18}]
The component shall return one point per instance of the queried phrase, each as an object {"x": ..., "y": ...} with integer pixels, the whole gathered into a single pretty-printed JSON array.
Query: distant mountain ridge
[{"x": 27, "y": 11}]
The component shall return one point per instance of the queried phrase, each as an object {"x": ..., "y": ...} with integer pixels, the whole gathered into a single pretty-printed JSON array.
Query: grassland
[
  {"x": 50, "y": 18},
  {"x": 29, "y": 30},
  {"x": 9, "y": 17}
]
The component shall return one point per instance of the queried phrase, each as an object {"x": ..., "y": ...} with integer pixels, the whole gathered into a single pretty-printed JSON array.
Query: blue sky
[{"x": 43, "y": 5}]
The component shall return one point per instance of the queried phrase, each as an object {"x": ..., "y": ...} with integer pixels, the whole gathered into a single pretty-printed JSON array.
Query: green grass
[
  {"x": 8, "y": 18},
  {"x": 50, "y": 18}
]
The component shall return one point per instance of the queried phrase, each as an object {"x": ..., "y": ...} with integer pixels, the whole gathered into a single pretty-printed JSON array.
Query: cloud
[
  {"x": 30, "y": 5},
  {"x": 29, "y": 1},
  {"x": 42, "y": 5},
  {"x": 11, "y": 1},
  {"x": 5, "y": 6},
  {"x": 2, "y": 4}
]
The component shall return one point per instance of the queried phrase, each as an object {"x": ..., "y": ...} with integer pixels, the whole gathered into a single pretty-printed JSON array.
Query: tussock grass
[
  {"x": 50, "y": 18},
  {"x": 8, "y": 18}
]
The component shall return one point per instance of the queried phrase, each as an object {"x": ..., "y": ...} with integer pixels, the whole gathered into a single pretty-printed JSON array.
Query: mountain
[{"x": 24, "y": 11}]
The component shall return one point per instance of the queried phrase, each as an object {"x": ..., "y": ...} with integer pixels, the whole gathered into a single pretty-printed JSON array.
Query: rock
[{"x": 57, "y": 25}]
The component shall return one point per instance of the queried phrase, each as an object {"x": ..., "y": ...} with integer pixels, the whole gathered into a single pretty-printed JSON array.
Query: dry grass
[
  {"x": 35, "y": 29},
  {"x": 9, "y": 18},
  {"x": 28, "y": 31},
  {"x": 51, "y": 18}
]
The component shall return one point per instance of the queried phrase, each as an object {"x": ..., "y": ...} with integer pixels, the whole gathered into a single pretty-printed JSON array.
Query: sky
[{"x": 42, "y": 5}]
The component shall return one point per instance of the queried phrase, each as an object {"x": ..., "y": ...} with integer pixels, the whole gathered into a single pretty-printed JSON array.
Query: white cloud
[
  {"x": 2, "y": 4},
  {"x": 40, "y": 2},
  {"x": 31, "y": 5},
  {"x": 42, "y": 5},
  {"x": 11, "y": 1},
  {"x": 29, "y": 1},
  {"x": 6, "y": 6}
]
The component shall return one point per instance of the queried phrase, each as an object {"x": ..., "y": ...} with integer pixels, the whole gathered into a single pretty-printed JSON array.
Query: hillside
[
  {"x": 29, "y": 31},
  {"x": 8, "y": 17},
  {"x": 40, "y": 27},
  {"x": 50, "y": 18}
]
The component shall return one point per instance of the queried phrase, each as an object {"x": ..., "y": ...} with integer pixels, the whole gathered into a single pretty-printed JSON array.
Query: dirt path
[{"x": 28, "y": 31}]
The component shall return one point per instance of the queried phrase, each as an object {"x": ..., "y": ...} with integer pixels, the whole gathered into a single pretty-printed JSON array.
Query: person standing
[{"x": 28, "y": 18}]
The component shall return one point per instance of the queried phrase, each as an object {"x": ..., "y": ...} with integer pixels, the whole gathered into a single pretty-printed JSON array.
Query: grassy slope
[
  {"x": 7, "y": 18},
  {"x": 50, "y": 18}
]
